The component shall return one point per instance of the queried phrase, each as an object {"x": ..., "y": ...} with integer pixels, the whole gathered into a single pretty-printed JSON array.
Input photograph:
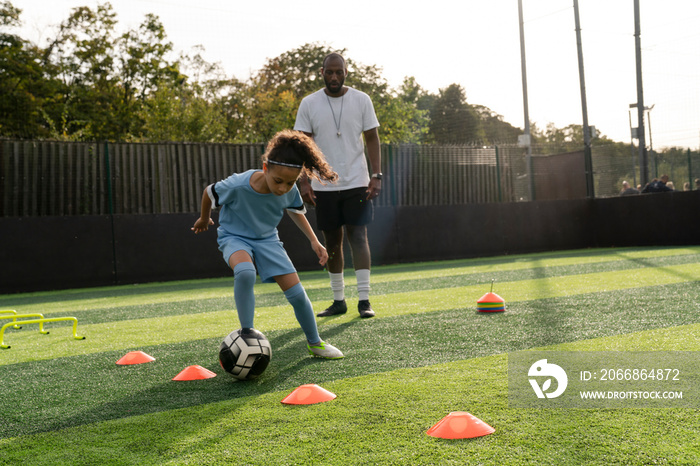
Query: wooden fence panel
[{"x": 65, "y": 178}]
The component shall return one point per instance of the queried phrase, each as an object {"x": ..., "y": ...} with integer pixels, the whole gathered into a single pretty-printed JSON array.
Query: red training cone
[
  {"x": 135, "y": 357},
  {"x": 491, "y": 302},
  {"x": 308, "y": 394},
  {"x": 459, "y": 424},
  {"x": 194, "y": 373}
]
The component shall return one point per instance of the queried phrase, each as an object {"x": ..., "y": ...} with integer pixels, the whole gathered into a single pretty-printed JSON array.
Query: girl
[{"x": 252, "y": 204}]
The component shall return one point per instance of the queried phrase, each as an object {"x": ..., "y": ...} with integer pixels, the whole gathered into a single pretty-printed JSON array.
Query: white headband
[{"x": 274, "y": 162}]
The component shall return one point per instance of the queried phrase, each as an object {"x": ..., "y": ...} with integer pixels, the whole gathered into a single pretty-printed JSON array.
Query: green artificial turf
[{"x": 426, "y": 354}]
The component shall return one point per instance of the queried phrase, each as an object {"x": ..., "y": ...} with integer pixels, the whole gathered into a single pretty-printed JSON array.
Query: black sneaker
[
  {"x": 365, "y": 309},
  {"x": 335, "y": 309}
]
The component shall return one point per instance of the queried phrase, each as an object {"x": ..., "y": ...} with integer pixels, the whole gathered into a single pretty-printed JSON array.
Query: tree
[
  {"x": 24, "y": 84},
  {"x": 283, "y": 81},
  {"x": 141, "y": 67},
  {"x": 452, "y": 120},
  {"x": 83, "y": 54},
  {"x": 177, "y": 113},
  {"x": 91, "y": 83},
  {"x": 199, "y": 105},
  {"x": 271, "y": 113},
  {"x": 297, "y": 71},
  {"x": 280, "y": 85},
  {"x": 142, "y": 59},
  {"x": 404, "y": 120},
  {"x": 105, "y": 77},
  {"x": 231, "y": 99},
  {"x": 496, "y": 130}
]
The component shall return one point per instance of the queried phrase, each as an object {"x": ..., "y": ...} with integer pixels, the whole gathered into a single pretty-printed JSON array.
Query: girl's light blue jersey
[{"x": 247, "y": 213}]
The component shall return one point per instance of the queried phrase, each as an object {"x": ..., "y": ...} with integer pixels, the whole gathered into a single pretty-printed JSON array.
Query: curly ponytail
[{"x": 296, "y": 149}]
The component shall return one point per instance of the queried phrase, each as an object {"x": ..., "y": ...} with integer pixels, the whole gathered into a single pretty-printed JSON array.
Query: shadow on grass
[
  {"x": 223, "y": 282},
  {"x": 113, "y": 292},
  {"x": 68, "y": 392},
  {"x": 654, "y": 263},
  {"x": 537, "y": 270}
]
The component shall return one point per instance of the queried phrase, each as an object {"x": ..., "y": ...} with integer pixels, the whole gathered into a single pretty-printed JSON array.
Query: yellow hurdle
[
  {"x": 8, "y": 311},
  {"x": 36, "y": 321},
  {"x": 16, "y": 316}
]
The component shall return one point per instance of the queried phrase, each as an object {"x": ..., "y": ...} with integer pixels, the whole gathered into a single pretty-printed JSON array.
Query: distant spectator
[
  {"x": 628, "y": 190},
  {"x": 697, "y": 183},
  {"x": 686, "y": 186},
  {"x": 670, "y": 185},
  {"x": 657, "y": 186}
]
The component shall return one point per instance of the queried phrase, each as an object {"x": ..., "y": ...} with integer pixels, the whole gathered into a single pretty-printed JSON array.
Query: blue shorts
[{"x": 271, "y": 260}]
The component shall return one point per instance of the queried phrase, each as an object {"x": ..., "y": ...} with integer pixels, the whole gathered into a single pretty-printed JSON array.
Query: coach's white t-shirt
[{"x": 352, "y": 114}]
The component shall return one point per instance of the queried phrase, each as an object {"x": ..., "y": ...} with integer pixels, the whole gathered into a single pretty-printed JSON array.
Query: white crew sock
[
  {"x": 362, "y": 284},
  {"x": 337, "y": 286}
]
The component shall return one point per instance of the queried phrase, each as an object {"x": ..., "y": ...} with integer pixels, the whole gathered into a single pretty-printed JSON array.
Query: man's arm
[{"x": 375, "y": 161}]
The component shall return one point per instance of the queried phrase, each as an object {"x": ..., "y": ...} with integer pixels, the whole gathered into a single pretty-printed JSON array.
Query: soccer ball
[{"x": 245, "y": 353}]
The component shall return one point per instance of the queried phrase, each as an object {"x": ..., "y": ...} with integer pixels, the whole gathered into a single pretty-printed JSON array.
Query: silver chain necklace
[{"x": 337, "y": 123}]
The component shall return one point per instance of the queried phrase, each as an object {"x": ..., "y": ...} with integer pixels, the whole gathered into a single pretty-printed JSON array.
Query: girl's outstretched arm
[
  {"x": 303, "y": 224},
  {"x": 204, "y": 220}
]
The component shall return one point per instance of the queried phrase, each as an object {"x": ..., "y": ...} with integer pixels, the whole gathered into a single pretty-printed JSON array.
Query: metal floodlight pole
[
  {"x": 650, "y": 152},
  {"x": 648, "y": 110},
  {"x": 643, "y": 163},
  {"x": 634, "y": 171},
  {"x": 528, "y": 139},
  {"x": 587, "y": 156}
]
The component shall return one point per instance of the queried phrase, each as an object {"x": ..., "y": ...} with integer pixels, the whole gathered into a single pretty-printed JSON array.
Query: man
[
  {"x": 337, "y": 117},
  {"x": 628, "y": 190},
  {"x": 657, "y": 186}
]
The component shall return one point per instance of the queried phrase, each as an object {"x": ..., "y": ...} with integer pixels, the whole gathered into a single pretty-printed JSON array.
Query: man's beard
[{"x": 334, "y": 88}]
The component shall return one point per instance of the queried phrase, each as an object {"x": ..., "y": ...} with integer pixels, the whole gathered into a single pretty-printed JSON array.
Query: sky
[{"x": 473, "y": 43}]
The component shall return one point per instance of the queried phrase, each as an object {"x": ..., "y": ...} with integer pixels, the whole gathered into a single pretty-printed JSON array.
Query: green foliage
[
  {"x": 88, "y": 83},
  {"x": 177, "y": 113},
  {"x": 91, "y": 83},
  {"x": 495, "y": 129},
  {"x": 24, "y": 89},
  {"x": 453, "y": 121},
  {"x": 281, "y": 84},
  {"x": 297, "y": 71},
  {"x": 9, "y": 14},
  {"x": 681, "y": 165}
]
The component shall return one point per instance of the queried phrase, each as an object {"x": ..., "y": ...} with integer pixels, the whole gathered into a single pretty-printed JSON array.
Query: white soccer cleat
[{"x": 325, "y": 350}]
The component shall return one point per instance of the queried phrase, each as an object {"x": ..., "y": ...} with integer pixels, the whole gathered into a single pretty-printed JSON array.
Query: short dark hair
[{"x": 334, "y": 55}]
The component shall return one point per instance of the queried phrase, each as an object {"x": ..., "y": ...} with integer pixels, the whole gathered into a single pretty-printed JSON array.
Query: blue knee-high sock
[
  {"x": 243, "y": 293},
  {"x": 303, "y": 311}
]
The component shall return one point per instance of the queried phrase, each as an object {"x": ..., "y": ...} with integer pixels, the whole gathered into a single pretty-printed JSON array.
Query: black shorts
[{"x": 337, "y": 208}]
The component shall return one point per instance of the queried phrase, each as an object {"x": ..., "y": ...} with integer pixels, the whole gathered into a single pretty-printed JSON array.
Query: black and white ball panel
[{"x": 245, "y": 353}]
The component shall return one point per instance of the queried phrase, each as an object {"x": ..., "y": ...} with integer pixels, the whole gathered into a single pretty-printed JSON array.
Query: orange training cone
[
  {"x": 135, "y": 357},
  {"x": 308, "y": 394},
  {"x": 194, "y": 373},
  {"x": 459, "y": 424},
  {"x": 491, "y": 302}
]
